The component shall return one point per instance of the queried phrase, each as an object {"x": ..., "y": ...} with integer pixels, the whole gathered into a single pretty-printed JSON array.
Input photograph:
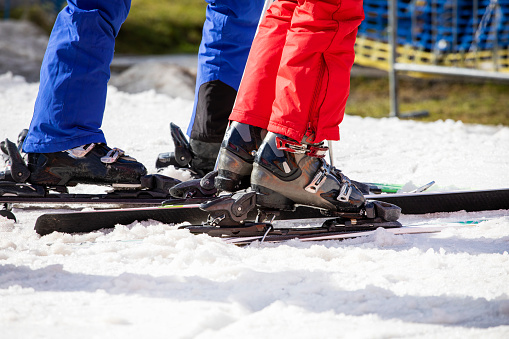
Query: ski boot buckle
[
  {"x": 296, "y": 147},
  {"x": 319, "y": 178},
  {"x": 80, "y": 151}
]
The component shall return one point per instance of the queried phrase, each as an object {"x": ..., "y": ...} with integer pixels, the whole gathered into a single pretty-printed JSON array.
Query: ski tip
[
  {"x": 44, "y": 224},
  {"x": 8, "y": 214}
]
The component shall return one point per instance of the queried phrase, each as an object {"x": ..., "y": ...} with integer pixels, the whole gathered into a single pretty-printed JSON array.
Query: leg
[
  {"x": 252, "y": 109},
  {"x": 313, "y": 79},
  {"x": 285, "y": 171},
  {"x": 228, "y": 32},
  {"x": 65, "y": 145},
  {"x": 257, "y": 90},
  {"x": 74, "y": 75},
  {"x": 312, "y": 86}
]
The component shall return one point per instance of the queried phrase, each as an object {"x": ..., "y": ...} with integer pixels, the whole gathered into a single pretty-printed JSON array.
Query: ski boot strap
[
  {"x": 112, "y": 156},
  {"x": 321, "y": 175},
  {"x": 80, "y": 151},
  {"x": 316, "y": 151}
]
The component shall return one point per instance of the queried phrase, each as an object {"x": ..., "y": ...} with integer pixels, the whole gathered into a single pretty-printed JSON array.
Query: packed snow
[{"x": 152, "y": 280}]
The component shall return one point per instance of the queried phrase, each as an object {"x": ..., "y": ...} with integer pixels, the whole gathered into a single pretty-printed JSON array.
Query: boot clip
[
  {"x": 80, "y": 151},
  {"x": 112, "y": 156},
  {"x": 319, "y": 178},
  {"x": 296, "y": 147},
  {"x": 345, "y": 190}
]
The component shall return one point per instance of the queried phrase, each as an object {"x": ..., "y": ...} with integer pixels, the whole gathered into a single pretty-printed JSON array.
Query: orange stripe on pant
[{"x": 297, "y": 77}]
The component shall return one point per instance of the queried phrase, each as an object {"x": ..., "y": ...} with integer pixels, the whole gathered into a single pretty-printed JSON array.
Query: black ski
[
  {"x": 89, "y": 221},
  {"x": 433, "y": 202},
  {"x": 410, "y": 203},
  {"x": 114, "y": 198},
  {"x": 153, "y": 190}
]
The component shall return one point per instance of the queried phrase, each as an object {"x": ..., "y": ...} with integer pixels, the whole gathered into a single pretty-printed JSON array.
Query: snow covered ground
[{"x": 152, "y": 280}]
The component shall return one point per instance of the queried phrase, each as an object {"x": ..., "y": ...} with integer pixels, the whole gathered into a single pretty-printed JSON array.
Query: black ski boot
[
  {"x": 288, "y": 173},
  {"x": 88, "y": 164},
  {"x": 236, "y": 156},
  {"x": 198, "y": 157},
  {"x": 204, "y": 156}
]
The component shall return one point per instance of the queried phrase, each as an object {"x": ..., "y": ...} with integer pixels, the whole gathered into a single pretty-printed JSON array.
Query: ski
[
  {"x": 452, "y": 201},
  {"x": 347, "y": 234},
  {"x": 267, "y": 231},
  {"x": 113, "y": 198},
  {"x": 410, "y": 203},
  {"x": 306, "y": 234},
  {"x": 89, "y": 221},
  {"x": 153, "y": 190}
]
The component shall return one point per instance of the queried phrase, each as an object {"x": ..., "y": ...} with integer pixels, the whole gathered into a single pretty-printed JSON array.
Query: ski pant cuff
[
  {"x": 34, "y": 146},
  {"x": 286, "y": 130}
]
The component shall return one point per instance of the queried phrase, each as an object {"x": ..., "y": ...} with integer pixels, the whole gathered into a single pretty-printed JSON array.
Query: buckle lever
[
  {"x": 112, "y": 156},
  {"x": 319, "y": 178},
  {"x": 80, "y": 152},
  {"x": 346, "y": 189}
]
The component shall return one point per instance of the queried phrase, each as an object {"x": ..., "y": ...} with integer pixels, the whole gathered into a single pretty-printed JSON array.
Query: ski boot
[
  {"x": 196, "y": 156},
  {"x": 288, "y": 173},
  {"x": 236, "y": 156},
  {"x": 234, "y": 164},
  {"x": 88, "y": 164}
]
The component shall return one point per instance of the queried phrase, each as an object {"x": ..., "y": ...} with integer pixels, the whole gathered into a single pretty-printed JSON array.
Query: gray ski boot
[
  {"x": 288, "y": 173},
  {"x": 236, "y": 156}
]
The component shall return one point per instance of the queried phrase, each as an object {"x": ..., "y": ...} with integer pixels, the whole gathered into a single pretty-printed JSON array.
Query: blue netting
[{"x": 447, "y": 26}]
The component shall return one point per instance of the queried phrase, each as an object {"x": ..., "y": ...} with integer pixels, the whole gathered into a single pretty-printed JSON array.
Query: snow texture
[{"x": 151, "y": 280}]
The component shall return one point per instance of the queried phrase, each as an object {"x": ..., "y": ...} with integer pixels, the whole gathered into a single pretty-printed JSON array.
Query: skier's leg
[
  {"x": 227, "y": 37},
  {"x": 257, "y": 90},
  {"x": 311, "y": 90},
  {"x": 252, "y": 109},
  {"x": 74, "y": 75},
  {"x": 313, "y": 80},
  {"x": 288, "y": 171},
  {"x": 70, "y": 104}
]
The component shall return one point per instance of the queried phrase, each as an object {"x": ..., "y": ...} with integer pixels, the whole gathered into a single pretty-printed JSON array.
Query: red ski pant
[{"x": 297, "y": 77}]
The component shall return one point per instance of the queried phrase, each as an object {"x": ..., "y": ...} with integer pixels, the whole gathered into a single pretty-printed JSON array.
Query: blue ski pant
[
  {"x": 75, "y": 71},
  {"x": 228, "y": 33},
  {"x": 74, "y": 75}
]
